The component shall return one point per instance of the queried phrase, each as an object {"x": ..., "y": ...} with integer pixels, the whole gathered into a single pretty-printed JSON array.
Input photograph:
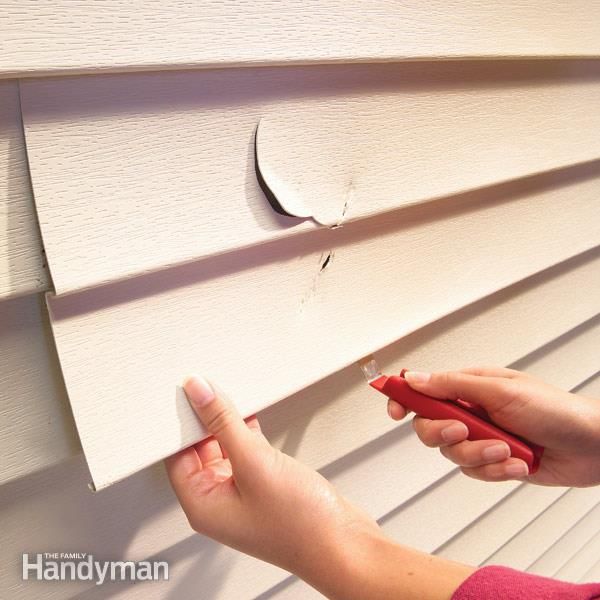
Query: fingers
[
  {"x": 181, "y": 467},
  {"x": 476, "y": 454},
  {"x": 492, "y": 372},
  {"x": 395, "y": 410},
  {"x": 220, "y": 418},
  {"x": 440, "y": 433},
  {"x": 254, "y": 426},
  {"x": 488, "y": 460},
  {"x": 209, "y": 451},
  {"x": 490, "y": 392},
  {"x": 512, "y": 468}
]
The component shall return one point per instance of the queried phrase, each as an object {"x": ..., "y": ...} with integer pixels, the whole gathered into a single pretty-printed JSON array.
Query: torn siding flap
[{"x": 280, "y": 176}]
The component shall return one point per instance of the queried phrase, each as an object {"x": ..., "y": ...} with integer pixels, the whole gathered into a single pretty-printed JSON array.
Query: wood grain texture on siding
[
  {"x": 21, "y": 256},
  {"x": 591, "y": 576},
  {"x": 62, "y": 36},
  {"x": 535, "y": 539},
  {"x": 591, "y": 387},
  {"x": 470, "y": 499},
  {"x": 37, "y": 427},
  {"x": 564, "y": 548},
  {"x": 482, "y": 538},
  {"x": 299, "y": 423},
  {"x": 136, "y": 340},
  {"x": 139, "y": 172},
  {"x": 571, "y": 345},
  {"x": 139, "y": 517},
  {"x": 583, "y": 560}
]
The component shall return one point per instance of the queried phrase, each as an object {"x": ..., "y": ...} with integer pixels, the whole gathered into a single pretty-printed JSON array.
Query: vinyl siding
[
  {"x": 468, "y": 194},
  {"x": 62, "y": 36},
  {"x": 22, "y": 269},
  {"x": 118, "y": 160}
]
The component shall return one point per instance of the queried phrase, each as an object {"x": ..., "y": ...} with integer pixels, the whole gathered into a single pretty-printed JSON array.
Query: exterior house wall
[{"x": 468, "y": 197}]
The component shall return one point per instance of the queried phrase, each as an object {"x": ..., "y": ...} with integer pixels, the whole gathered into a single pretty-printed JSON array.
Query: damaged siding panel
[
  {"x": 113, "y": 331},
  {"x": 146, "y": 334},
  {"x": 152, "y": 523},
  {"x": 37, "y": 427},
  {"x": 464, "y": 337},
  {"x": 141, "y": 172},
  {"x": 63, "y": 37},
  {"x": 21, "y": 258}
]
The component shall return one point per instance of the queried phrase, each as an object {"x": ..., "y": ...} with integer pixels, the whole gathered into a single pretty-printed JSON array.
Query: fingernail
[
  {"x": 389, "y": 409},
  {"x": 417, "y": 376},
  {"x": 495, "y": 453},
  {"x": 198, "y": 391},
  {"x": 454, "y": 433},
  {"x": 517, "y": 470}
]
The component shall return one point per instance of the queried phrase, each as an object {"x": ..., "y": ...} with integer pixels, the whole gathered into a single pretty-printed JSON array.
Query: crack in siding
[
  {"x": 325, "y": 260},
  {"x": 348, "y": 200}
]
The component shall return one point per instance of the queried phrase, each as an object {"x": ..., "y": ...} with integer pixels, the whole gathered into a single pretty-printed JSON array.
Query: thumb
[
  {"x": 220, "y": 417},
  {"x": 491, "y": 393}
]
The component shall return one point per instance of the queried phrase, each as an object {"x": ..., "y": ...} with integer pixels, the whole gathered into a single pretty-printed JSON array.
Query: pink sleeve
[{"x": 503, "y": 583}]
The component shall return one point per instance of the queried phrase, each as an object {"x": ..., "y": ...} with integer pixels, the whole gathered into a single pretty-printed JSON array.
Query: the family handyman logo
[{"x": 80, "y": 566}]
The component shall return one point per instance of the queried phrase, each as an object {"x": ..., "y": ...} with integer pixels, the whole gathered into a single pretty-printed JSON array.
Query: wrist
[
  {"x": 348, "y": 555},
  {"x": 363, "y": 563}
]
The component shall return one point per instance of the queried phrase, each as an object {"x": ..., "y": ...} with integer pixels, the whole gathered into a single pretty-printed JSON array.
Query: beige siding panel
[
  {"x": 571, "y": 347},
  {"x": 135, "y": 341},
  {"x": 564, "y": 548},
  {"x": 591, "y": 387},
  {"x": 298, "y": 423},
  {"x": 537, "y": 537},
  {"x": 483, "y": 537},
  {"x": 21, "y": 256},
  {"x": 37, "y": 427},
  {"x": 140, "y": 172},
  {"x": 62, "y": 36},
  {"x": 581, "y": 562},
  {"x": 139, "y": 517},
  {"x": 592, "y": 576},
  {"x": 470, "y": 499}
]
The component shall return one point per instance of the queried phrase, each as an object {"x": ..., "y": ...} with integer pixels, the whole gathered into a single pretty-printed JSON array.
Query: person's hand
[
  {"x": 567, "y": 425},
  {"x": 239, "y": 490}
]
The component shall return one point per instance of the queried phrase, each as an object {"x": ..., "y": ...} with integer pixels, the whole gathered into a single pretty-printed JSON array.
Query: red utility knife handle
[{"x": 474, "y": 417}]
